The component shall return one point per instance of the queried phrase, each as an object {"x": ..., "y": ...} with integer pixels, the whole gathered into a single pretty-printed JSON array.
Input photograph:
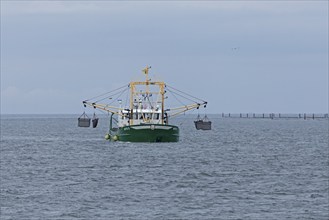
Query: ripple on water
[{"x": 242, "y": 169}]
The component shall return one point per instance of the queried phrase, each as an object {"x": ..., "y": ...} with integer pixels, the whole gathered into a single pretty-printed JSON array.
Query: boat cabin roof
[{"x": 125, "y": 111}]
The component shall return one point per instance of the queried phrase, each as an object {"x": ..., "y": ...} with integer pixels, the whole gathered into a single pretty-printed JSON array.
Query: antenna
[{"x": 146, "y": 71}]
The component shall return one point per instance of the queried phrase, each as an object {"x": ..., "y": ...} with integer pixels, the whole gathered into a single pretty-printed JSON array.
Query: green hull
[{"x": 146, "y": 133}]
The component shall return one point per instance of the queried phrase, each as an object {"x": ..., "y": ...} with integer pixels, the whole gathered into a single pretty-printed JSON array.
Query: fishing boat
[
  {"x": 144, "y": 116},
  {"x": 202, "y": 123}
]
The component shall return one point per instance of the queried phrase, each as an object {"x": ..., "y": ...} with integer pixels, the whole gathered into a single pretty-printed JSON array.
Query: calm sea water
[{"x": 242, "y": 169}]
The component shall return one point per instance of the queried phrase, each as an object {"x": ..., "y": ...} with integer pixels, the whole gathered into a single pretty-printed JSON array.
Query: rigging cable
[
  {"x": 186, "y": 93},
  {"x": 108, "y": 92},
  {"x": 177, "y": 98},
  {"x": 127, "y": 98},
  {"x": 119, "y": 92},
  {"x": 118, "y": 95},
  {"x": 183, "y": 96}
]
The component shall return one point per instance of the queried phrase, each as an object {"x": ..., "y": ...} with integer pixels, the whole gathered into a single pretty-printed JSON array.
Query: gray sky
[{"x": 239, "y": 56}]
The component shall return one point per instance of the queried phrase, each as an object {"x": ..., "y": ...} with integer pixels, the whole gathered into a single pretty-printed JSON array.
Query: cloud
[
  {"x": 48, "y": 7},
  {"x": 70, "y": 7},
  {"x": 16, "y": 100},
  {"x": 36, "y": 100},
  {"x": 58, "y": 7},
  {"x": 70, "y": 51},
  {"x": 10, "y": 92},
  {"x": 13, "y": 92}
]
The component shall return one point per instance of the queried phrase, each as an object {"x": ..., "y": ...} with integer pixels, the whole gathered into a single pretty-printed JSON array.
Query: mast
[
  {"x": 146, "y": 71},
  {"x": 161, "y": 85},
  {"x": 162, "y": 102},
  {"x": 132, "y": 88}
]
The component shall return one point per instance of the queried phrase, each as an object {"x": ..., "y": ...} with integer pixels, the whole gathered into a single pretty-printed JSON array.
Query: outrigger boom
[{"x": 146, "y": 111}]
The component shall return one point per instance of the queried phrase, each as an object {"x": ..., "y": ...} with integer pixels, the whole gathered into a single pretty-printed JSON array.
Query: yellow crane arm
[
  {"x": 107, "y": 108},
  {"x": 179, "y": 110}
]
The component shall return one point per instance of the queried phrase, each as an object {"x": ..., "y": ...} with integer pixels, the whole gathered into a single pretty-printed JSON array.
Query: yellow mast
[
  {"x": 133, "y": 93},
  {"x": 147, "y": 83},
  {"x": 162, "y": 102},
  {"x": 132, "y": 89},
  {"x": 146, "y": 71}
]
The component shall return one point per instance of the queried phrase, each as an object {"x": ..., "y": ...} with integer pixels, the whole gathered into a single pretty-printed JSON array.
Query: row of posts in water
[{"x": 275, "y": 115}]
